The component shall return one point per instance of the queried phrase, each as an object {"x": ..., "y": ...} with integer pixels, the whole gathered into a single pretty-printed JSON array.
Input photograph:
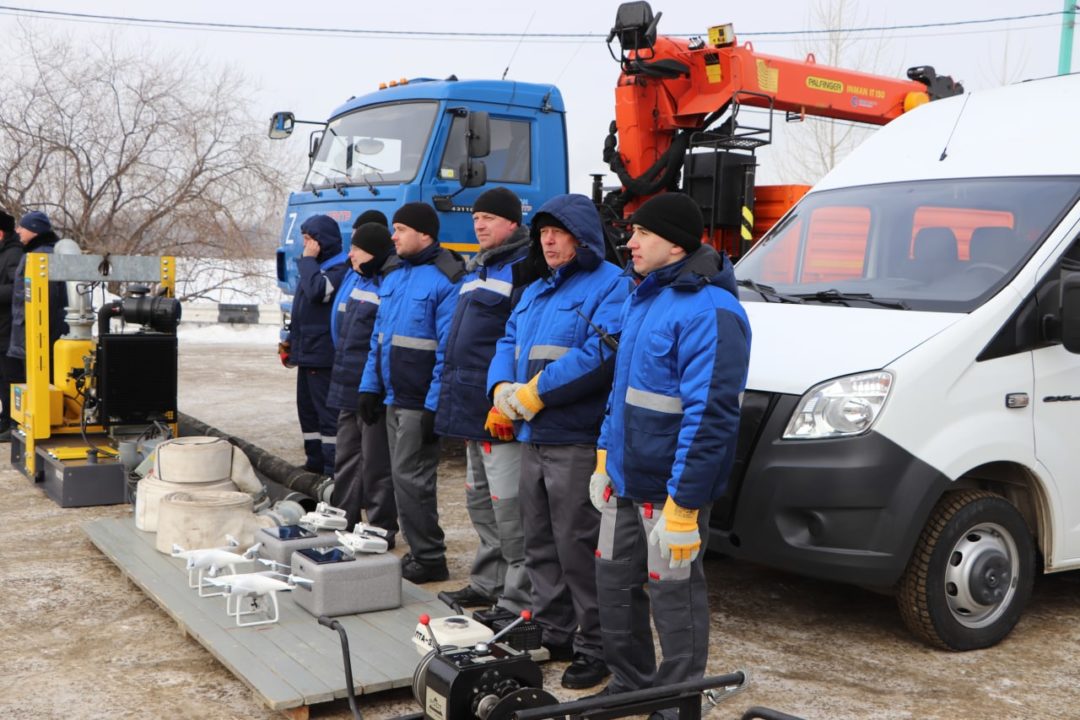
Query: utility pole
[{"x": 1068, "y": 20}]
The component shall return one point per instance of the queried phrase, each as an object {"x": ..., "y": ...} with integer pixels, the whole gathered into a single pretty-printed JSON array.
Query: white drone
[
  {"x": 210, "y": 561},
  {"x": 256, "y": 587},
  {"x": 363, "y": 539}
]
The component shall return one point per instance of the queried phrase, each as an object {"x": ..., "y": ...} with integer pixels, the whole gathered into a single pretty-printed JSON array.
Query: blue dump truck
[{"x": 441, "y": 142}]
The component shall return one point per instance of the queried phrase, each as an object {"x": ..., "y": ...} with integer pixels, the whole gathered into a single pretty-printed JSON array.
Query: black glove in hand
[
  {"x": 369, "y": 406},
  {"x": 427, "y": 427}
]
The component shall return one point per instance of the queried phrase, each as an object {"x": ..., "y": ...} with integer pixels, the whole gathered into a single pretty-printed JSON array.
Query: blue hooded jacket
[
  {"x": 673, "y": 417},
  {"x": 355, "y": 306},
  {"x": 409, "y": 341},
  {"x": 551, "y": 329},
  {"x": 309, "y": 327},
  {"x": 494, "y": 283}
]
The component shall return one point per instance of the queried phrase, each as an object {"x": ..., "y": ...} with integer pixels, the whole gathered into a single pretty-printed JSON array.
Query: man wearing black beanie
[
  {"x": 11, "y": 369},
  {"x": 680, "y": 370},
  {"x": 362, "y": 475},
  {"x": 403, "y": 373},
  {"x": 493, "y": 284}
]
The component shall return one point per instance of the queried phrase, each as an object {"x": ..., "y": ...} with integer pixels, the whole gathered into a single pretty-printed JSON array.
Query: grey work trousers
[
  {"x": 414, "y": 464},
  {"x": 561, "y": 528},
  {"x": 625, "y": 563},
  {"x": 492, "y": 475},
  {"x": 362, "y": 476}
]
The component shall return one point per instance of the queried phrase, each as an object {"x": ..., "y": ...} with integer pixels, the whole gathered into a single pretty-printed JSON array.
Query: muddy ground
[{"x": 78, "y": 641}]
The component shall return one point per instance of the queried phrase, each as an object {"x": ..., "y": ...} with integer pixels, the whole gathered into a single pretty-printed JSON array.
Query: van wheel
[{"x": 970, "y": 575}]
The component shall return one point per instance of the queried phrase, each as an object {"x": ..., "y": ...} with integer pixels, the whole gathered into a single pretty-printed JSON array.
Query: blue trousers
[{"x": 318, "y": 423}]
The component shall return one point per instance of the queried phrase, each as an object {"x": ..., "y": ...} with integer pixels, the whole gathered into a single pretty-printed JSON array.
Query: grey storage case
[
  {"x": 279, "y": 545},
  {"x": 344, "y": 586}
]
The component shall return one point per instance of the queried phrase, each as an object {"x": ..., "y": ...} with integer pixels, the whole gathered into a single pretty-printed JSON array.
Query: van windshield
[
  {"x": 945, "y": 245},
  {"x": 377, "y": 145}
]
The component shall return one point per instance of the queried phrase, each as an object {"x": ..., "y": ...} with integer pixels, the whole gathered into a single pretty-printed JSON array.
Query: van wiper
[
  {"x": 769, "y": 292},
  {"x": 835, "y": 296}
]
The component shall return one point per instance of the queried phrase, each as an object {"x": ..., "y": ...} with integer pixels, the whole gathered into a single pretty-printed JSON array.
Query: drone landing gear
[{"x": 263, "y": 615}]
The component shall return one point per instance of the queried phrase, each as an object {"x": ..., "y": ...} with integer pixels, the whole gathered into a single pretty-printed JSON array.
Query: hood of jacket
[
  {"x": 45, "y": 239},
  {"x": 326, "y": 232},
  {"x": 704, "y": 266},
  {"x": 578, "y": 215}
]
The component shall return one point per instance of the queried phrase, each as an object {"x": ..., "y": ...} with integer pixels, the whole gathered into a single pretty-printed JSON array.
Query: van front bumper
[{"x": 848, "y": 509}]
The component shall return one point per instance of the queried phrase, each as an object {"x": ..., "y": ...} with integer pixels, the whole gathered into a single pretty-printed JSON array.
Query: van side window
[{"x": 510, "y": 159}]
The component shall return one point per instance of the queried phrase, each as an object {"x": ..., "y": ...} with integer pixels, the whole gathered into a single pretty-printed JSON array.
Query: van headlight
[{"x": 840, "y": 408}]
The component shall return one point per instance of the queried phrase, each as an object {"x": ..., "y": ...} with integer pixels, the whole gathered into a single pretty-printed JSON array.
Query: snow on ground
[{"x": 232, "y": 334}]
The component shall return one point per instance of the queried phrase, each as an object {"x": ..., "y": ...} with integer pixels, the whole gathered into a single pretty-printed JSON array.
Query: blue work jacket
[
  {"x": 673, "y": 415},
  {"x": 409, "y": 341},
  {"x": 487, "y": 294},
  {"x": 310, "y": 344},
  {"x": 553, "y": 329},
  {"x": 351, "y": 326}
]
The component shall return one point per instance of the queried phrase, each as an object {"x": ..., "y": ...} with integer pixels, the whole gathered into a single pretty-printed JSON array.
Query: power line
[{"x": 243, "y": 27}]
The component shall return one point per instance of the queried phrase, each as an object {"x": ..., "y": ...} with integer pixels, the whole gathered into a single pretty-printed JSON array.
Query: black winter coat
[
  {"x": 43, "y": 243},
  {"x": 11, "y": 252}
]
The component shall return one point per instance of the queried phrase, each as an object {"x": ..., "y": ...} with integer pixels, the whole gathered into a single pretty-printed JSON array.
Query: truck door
[
  {"x": 1056, "y": 403},
  {"x": 511, "y": 164}
]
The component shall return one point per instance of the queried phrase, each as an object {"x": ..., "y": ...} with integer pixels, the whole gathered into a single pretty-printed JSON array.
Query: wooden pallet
[{"x": 289, "y": 665}]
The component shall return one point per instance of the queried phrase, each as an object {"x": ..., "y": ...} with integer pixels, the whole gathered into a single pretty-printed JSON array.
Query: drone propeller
[
  {"x": 233, "y": 542},
  {"x": 252, "y": 552},
  {"x": 272, "y": 564},
  {"x": 297, "y": 580}
]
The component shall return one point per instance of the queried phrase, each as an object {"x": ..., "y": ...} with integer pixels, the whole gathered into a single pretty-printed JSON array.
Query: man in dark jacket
[
  {"x": 552, "y": 374},
  {"x": 11, "y": 370},
  {"x": 362, "y": 474},
  {"x": 36, "y": 234},
  {"x": 403, "y": 372},
  {"x": 495, "y": 278},
  {"x": 680, "y": 372},
  {"x": 322, "y": 267}
]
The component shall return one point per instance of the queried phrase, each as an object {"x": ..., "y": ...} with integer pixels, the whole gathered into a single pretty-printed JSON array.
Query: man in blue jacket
[
  {"x": 362, "y": 476},
  {"x": 310, "y": 349},
  {"x": 552, "y": 373},
  {"x": 667, "y": 446},
  {"x": 403, "y": 372},
  {"x": 495, "y": 279}
]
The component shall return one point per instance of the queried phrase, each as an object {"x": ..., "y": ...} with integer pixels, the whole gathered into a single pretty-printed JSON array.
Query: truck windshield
[
  {"x": 945, "y": 245},
  {"x": 377, "y": 145}
]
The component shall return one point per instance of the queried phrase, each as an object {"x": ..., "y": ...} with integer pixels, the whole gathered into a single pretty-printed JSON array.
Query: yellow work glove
[
  {"x": 526, "y": 400},
  {"x": 600, "y": 489},
  {"x": 677, "y": 534},
  {"x": 501, "y": 398},
  {"x": 498, "y": 425}
]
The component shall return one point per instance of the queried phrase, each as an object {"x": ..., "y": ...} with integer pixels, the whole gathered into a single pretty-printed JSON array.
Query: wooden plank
[{"x": 289, "y": 665}]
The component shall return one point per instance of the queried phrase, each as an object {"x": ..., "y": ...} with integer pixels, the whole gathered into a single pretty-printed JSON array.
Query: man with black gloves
[
  {"x": 309, "y": 347},
  {"x": 551, "y": 373},
  {"x": 403, "y": 372},
  {"x": 680, "y": 372},
  {"x": 362, "y": 477},
  {"x": 495, "y": 278},
  {"x": 11, "y": 370}
]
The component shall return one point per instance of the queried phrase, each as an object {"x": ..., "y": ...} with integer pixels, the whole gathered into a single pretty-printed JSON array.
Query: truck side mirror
[
  {"x": 472, "y": 173},
  {"x": 478, "y": 135},
  {"x": 1070, "y": 305},
  {"x": 281, "y": 125},
  {"x": 314, "y": 140}
]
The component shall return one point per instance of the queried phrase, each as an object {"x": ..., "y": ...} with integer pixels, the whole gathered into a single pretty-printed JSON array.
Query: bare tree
[
  {"x": 817, "y": 144},
  {"x": 131, "y": 153}
]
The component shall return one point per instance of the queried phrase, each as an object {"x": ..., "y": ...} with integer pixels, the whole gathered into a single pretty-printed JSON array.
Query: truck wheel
[{"x": 971, "y": 573}]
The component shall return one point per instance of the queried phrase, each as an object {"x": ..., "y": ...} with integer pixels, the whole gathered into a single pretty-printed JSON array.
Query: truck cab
[
  {"x": 914, "y": 379},
  {"x": 423, "y": 140}
]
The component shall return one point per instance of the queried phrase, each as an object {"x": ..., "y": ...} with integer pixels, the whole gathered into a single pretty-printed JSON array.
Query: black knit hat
[
  {"x": 370, "y": 216},
  {"x": 7, "y": 223},
  {"x": 420, "y": 217},
  {"x": 674, "y": 217},
  {"x": 373, "y": 238},
  {"x": 500, "y": 201}
]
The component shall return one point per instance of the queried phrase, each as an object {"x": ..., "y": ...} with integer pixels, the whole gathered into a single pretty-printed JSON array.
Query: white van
[{"x": 913, "y": 383}]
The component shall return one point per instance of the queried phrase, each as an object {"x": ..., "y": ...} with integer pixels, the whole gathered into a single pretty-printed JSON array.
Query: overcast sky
[{"x": 313, "y": 73}]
